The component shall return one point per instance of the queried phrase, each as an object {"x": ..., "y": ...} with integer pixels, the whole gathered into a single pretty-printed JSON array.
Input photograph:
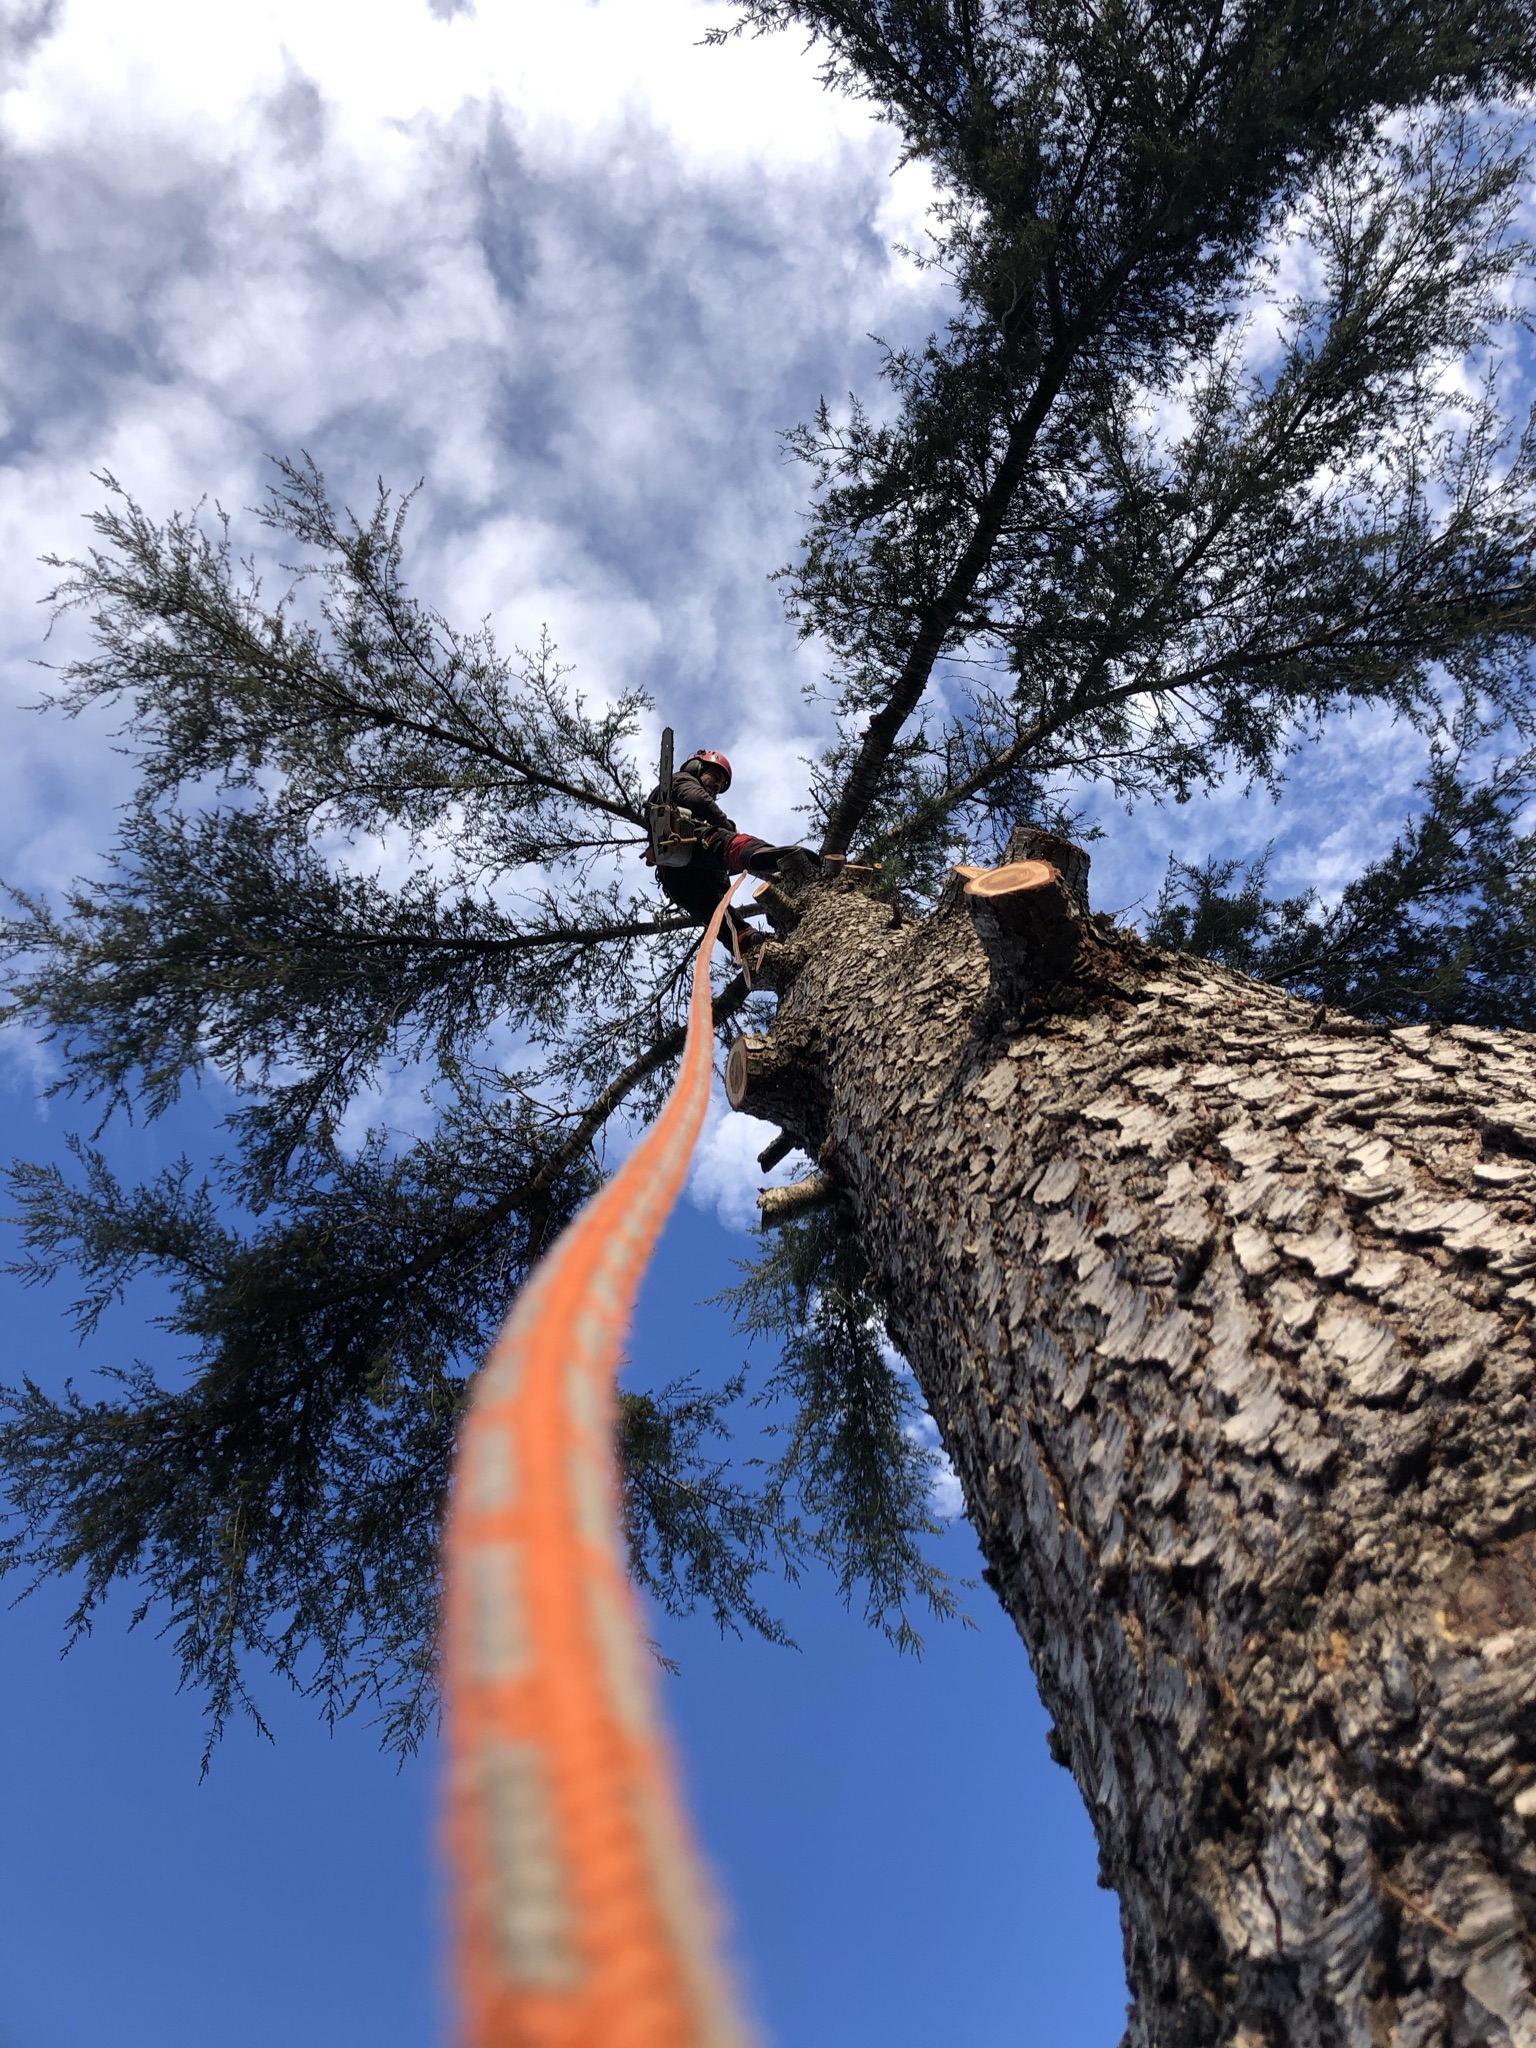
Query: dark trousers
[{"x": 697, "y": 888}]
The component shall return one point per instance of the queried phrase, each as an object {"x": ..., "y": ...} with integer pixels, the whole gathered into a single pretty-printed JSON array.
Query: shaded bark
[{"x": 1222, "y": 1306}]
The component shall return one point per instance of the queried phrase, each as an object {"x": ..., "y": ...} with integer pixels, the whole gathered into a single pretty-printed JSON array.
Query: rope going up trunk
[{"x": 583, "y": 1918}]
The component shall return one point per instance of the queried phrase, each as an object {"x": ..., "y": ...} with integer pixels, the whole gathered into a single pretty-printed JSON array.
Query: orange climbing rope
[{"x": 583, "y": 1919}]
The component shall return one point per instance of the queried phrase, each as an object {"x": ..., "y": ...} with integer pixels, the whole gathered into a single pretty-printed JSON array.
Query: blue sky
[
  {"x": 577, "y": 272},
  {"x": 903, "y": 1865}
]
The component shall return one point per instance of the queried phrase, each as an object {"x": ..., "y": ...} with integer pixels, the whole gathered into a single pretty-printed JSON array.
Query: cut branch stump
[
  {"x": 781, "y": 908},
  {"x": 1029, "y": 924},
  {"x": 777, "y": 1206},
  {"x": 1029, "y": 843}
]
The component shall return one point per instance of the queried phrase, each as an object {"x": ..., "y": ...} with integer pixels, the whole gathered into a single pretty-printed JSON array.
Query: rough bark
[{"x": 1222, "y": 1306}]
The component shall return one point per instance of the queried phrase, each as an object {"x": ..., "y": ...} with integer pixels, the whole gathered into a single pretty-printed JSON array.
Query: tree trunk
[{"x": 1221, "y": 1305}]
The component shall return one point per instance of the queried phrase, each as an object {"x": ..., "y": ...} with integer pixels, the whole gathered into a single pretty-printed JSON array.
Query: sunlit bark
[{"x": 1222, "y": 1307}]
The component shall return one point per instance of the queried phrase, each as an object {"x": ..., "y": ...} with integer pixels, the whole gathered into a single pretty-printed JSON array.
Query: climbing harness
[{"x": 583, "y": 1918}]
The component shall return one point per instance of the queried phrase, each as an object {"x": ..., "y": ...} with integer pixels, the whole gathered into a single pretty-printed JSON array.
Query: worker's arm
[{"x": 688, "y": 790}]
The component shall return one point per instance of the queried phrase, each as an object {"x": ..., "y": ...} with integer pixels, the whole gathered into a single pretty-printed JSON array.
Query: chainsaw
[{"x": 674, "y": 831}]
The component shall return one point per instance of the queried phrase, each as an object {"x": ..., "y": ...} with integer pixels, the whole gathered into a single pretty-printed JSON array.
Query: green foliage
[
  {"x": 697, "y": 1536},
  {"x": 282, "y": 1504},
  {"x": 1442, "y": 927},
  {"x": 1212, "y": 447},
  {"x": 228, "y": 942},
  {"x": 332, "y": 1294},
  {"x": 1136, "y": 514},
  {"x": 853, "y": 1484},
  {"x": 234, "y": 939}
]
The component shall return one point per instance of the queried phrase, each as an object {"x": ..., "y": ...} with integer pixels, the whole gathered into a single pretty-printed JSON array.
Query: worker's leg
[
  {"x": 697, "y": 888},
  {"x": 757, "y": 856}
]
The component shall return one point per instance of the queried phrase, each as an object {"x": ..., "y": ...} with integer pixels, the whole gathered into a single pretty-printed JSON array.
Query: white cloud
[
  {"x": 946, "y": 1495},
  {"x": 181, "y": 69},
  {"x": 571, "y": 267},
  {"x": 1344, "y": 802},
  {"x": 726, "y": 1176}
]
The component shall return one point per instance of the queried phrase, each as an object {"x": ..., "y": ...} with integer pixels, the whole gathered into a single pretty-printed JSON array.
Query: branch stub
[
  {"x": 738, "y": 1067},
  {"x": 1029, "y": 923},
  {"x": 783, "y": 1205}
]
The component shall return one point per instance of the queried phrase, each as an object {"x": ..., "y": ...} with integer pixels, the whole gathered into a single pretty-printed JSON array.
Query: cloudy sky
[
  {"x": 562, "y": 262},
  {"x": 575, "y": 272}
]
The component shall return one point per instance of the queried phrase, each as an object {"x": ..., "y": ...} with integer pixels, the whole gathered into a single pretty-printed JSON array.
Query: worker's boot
[{"x": 763, "y": 860}]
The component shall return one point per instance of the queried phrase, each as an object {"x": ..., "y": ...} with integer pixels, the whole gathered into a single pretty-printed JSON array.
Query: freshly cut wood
[
  {"x": 1029, "y": 924},
  {"x": 738, "y": 1076},
  {"x": 1028, "y": 842},
  {"x": 1018, "y": 878},
  {"x": 766, "y": 1077}
]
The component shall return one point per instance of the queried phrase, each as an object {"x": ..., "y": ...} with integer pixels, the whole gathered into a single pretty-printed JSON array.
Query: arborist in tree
[{"x": 694, "y": 847}]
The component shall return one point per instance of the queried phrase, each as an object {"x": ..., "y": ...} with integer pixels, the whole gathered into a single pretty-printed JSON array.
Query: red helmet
[{"x": 714, "y": 761}]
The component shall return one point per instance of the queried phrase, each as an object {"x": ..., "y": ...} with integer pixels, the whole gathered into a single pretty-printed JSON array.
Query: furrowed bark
[{"x": 1223, "y": 1308}]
